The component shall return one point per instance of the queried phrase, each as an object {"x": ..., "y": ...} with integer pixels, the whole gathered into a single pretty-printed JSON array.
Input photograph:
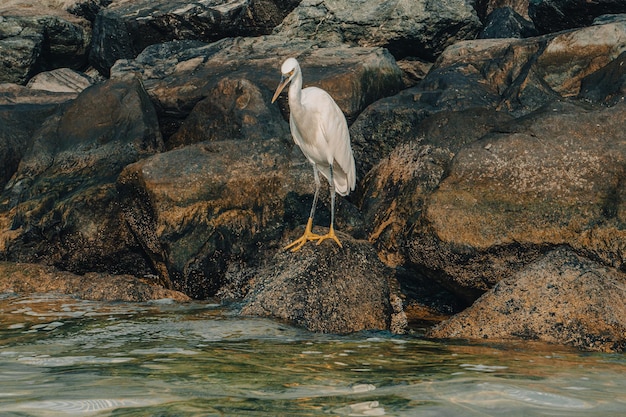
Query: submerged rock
[
  {"x": 559, "y": 298},
  {"x": 24, "y": 278},
  {"x": 325, "y": 288}
]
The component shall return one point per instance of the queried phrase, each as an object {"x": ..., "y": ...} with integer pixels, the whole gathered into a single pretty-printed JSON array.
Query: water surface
[{"x": 65, "y": 357}]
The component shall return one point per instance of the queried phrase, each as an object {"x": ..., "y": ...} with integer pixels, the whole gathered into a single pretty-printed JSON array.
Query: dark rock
[
  {"x": 504, "y": 22},
  {"x": 608, "y": 84},
  {"x": 485, "y": 7},
  {"x": 123, "y": 30},
  {"x": 88, "y": 9},
  {"x": 24, "y": 278},
  {"x": 234, "y": 109},
  {"x": 556, "y": 15},
  {"x": 421, "y": 28},
  {"x": 17, "y": 125},
  {"x": 32, "y": 44},
  {"x": 324, "y": 288},
  {"x": 61, "y": 207},
  {"x": 553, "y": 178},
  {"x": 560, "y": 298}
]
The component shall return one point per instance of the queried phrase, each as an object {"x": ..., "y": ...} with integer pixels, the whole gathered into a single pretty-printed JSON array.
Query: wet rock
[
  {"x": 32, "y": 44},
  {"x": 25, "y": 278},
  {"x": 560, "y": 298},
  {"x": 421, "y": 28},
  {"x": 178, "y": 75},
  {"x": 62, "y": 80},
  {"x": 324, "y": 288},
  {"x": 60, "y": 207},
  {"x": 397, "y": 189},
  {"x": 124, "y": 29},
  {"x": 552, "y": 178},
  {"x": 200, "y": 209},
  {"x": 556, "y": 15},
  {"x": 504, "y": 22}
]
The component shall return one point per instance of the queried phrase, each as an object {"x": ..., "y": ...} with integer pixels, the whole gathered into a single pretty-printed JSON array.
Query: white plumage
[{"x": 319, "y": 128}]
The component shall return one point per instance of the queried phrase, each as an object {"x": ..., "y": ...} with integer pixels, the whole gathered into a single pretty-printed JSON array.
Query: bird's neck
[{"x": 295, "y": 93}]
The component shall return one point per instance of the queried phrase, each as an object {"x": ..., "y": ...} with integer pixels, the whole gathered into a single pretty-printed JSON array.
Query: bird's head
[{"x": 289, "y": 69}]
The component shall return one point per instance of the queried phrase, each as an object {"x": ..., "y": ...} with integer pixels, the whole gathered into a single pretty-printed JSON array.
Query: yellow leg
[
  {"x": 308, "y": 235},
  {"x": 330, "y": 235}
]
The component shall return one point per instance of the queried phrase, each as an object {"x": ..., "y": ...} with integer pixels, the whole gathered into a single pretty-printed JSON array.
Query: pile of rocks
[{"x": 137, "y": 137}]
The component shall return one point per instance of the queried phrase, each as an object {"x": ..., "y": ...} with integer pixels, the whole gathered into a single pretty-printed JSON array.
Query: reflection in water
[{"x": 60, "y": 356}]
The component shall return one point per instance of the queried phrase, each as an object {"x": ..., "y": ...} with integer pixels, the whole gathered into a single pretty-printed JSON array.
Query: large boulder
[
  {"x": 552, "y": 178},
  {"x": 60, "y": 206},
  {"x": 124, "y": 29},
  {"x": 324, "y": 288},
  {"x": 201, "y": 209},
  {"x": 560, "y": 298},
  {"x": 418, "y": 28}
]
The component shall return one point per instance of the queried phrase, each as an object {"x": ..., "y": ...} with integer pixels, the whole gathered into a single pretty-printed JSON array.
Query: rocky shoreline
[{"x": 137, "y": 140}]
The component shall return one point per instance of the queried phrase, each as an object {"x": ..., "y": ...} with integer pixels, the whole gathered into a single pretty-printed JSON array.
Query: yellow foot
[
  {"x": 308, "y": 235},
  {"x": 330, "y": 235}
]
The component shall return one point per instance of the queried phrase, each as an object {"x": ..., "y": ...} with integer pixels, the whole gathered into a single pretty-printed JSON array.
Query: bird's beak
[{"x": 283, "y": 83}]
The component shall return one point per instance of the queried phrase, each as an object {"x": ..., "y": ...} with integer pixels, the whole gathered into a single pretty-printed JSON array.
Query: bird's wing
[{"x": 334, "y": 128}]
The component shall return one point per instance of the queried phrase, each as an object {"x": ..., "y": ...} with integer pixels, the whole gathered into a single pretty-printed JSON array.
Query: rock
[
  {"x": 560, "y": 298},
  {"x": 178, "y": 75},
  {"x": 201, "y": 208},
  {"x": 235, "y": 108},
  {"x": 12, "y": 95},
  {"x": 608, "y": 84},
  {"x": 556, "y": 15},
  {"x": 124, "y": 29},
  {"x": 25, "y": 278},
  {"x": 485, "y": 7},
  {"x": 62, "y": 80},
  {"x": 504, "y": 22},
  {"x": 421, "y": 28},
  {"x": 552, "y": 178},
  {"x": 17, "y": 125},
  {"x": 61, "y": 206},
  {"x": 324, "y": 288},
  {"x": 520, "y": 75},
  {"x": 32, "y": 44},
  {"x": 396, "y": 190}
]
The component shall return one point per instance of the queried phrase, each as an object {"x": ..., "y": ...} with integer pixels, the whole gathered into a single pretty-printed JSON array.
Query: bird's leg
[
  {"x": 331, "y": 231},
  {"x": 308, "y": 233}
]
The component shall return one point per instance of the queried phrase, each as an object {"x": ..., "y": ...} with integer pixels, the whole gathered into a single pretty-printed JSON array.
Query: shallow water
[{"x": 65, "y": 357}]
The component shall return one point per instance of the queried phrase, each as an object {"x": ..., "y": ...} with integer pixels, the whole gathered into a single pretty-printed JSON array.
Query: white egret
[{"x": 320, "y": 129}]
